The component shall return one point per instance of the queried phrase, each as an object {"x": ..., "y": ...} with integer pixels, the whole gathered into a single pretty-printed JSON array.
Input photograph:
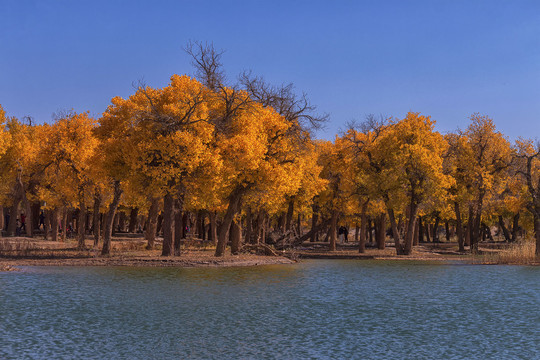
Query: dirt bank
[
  {"x": 125, "y": 252},
  {"x": 131, "y": 251}
]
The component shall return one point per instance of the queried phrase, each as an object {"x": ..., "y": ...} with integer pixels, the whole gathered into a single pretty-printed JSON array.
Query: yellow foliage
[{"x": 68, "y": 157}]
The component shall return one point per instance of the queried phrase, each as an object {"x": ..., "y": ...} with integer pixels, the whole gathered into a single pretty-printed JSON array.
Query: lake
[{"x": 319, "y": 309}]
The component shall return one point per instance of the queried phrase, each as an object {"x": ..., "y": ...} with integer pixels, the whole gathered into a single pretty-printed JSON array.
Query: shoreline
[
  {"x": 9, "y": 264},
  {"x": 131, "y": 252},
  {"x": 14, "y": 264}
]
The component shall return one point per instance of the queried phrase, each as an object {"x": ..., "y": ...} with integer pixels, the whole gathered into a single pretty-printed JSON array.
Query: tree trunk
[
  {"x": 447, "y": 230},
  {"x": 400, "y": 226},
  {"x": 13, "y": 216},
  {"x": 151, "y": 223},
  {"x": 505, "y": 231},
  {"x": 232, "y": 210},
  {"x": 133, "y": 219},
  {"x": 81, "y": 223},
  {"x": 203, "y": 226},
  {"x": 178, "y": 227},
  {"x": 470, "y": 226},
  {"x": 257, "y": 236},
  {"x": 35, "y": 211},
  {"x": 420, "y": 230},
  {"x": 102, "y": 221},
  {"x": 281, "y": 223},
  {"x": 416, "y": 231},
  {"x": 160, "y": 224},
  {"x": 476, "y": 225},
  {"x": 411, "y": 223},
  {"x": 200, "y": 224},
  {"x": 213, "y": 227},
  {"x": 427, "y": 228},
  {"x": 290, "y": 213},
  {"x": 477, "y": 229},
  {"x": 435, "y": 229},
  {"x": 515, "y": 227},
  {"x": 186, "y": 224},
  {"x": 236, "y": 237},
  {"x": 64, "y": 223},
  {"x": 333, "y": 231},
  {"x": 474, "y": 229},
  {"x": 110, "y": 219},
  {"x": 209, "y": 230},
  {"x": 97, "y": 218},
  {"x": 487, "y": 232},
  {"x": 363, "y": 227},
  {"x": 395, "y": 232},
  {"x": 380, "y": 231},
  {"x": 461, "y": 240},
  {"x": 28, "y": 226},
  {"x": 249, "y": 226},
  {"x": 122, "y": 221},
  {"x": 168, "y": 225},
  {"x": 537, "y": 232},
  {"x": 18, "y": 197},
  {"x": 263, "y": 227},
  {"x": 314, "y": 220},
  {"x": 25, "y": 209},
  {"x": 46, "y": 223},
  {"x": 54, "y": 224},
  {"x": 116, "y": 222},
  {"x": 370, "y": 232},
  {"x": 87, "y": 222},
  {"x": 196, "y": 228}
]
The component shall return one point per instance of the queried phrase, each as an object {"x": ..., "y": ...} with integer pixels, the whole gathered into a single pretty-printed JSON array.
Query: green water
[{"x": 315, "y": 310}]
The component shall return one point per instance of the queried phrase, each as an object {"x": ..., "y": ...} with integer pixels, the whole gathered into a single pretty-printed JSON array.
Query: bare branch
[
  {"x": 295, "y": 109},
  {"x": 207, "y": 61}
]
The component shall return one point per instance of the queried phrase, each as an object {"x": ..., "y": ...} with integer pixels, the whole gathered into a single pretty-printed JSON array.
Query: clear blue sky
[{"x": 447, "y": 59}]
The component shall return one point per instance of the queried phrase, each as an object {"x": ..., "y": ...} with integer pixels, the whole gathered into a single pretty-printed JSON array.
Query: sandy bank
[{"x": 186, "y": 260}]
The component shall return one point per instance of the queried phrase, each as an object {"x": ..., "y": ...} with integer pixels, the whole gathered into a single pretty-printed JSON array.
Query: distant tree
[
  {"x": 484, "y": 157},
  {"x": 528, "y": 158},
  {"x": 68, "y": 180}
]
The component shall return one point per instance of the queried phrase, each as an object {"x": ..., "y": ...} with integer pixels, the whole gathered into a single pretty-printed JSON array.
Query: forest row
[{"x": 243, "y": 159}]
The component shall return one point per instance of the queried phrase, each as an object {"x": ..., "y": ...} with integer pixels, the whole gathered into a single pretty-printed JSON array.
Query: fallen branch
[
  {"x": 299, "y": 240},
  {"x": 259, "y": 249}
]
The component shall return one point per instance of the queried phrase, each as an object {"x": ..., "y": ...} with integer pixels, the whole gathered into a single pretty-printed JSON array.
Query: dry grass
[
  {"x": 521, "y": 253},
  {"x": 17, "y": 248},
  {"x": 124, "y": 246}
]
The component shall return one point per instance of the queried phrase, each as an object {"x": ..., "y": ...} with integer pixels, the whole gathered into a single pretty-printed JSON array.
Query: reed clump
[{"x": 522, "y": 252}]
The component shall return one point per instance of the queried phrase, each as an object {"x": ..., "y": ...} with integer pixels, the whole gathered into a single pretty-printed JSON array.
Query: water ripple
[{"x": 314, "y": 310}]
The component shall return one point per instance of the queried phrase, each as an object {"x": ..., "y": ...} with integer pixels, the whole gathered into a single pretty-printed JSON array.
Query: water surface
[{"x": 316, "y": 309}]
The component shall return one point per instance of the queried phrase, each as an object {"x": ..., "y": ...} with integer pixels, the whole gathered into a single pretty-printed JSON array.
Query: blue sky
[{"x": 447, "y": 59}]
